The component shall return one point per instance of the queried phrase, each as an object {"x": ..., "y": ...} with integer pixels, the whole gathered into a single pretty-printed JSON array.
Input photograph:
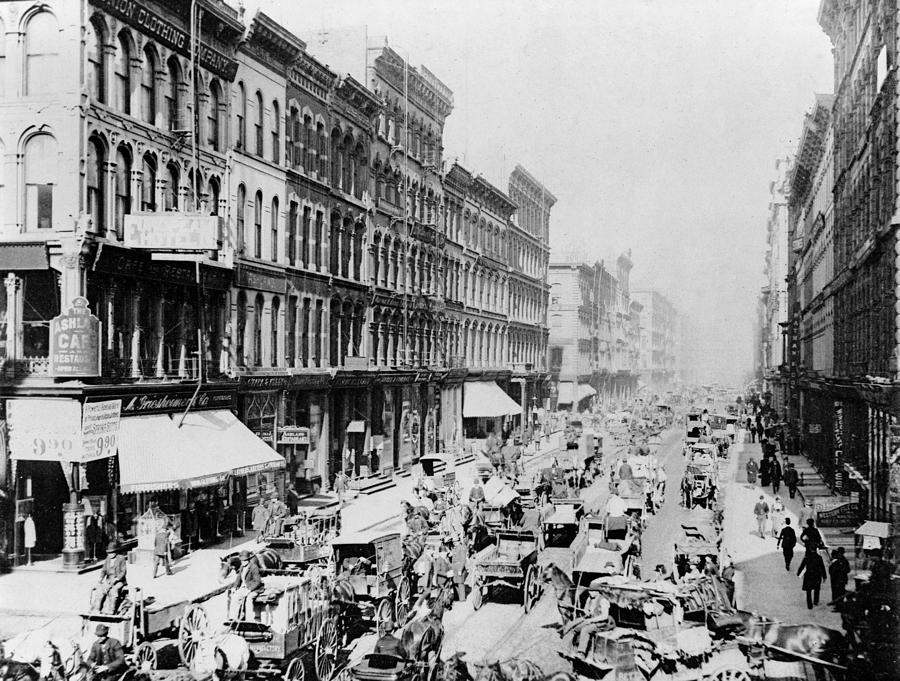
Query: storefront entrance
[{"x": 42, "y": 490}]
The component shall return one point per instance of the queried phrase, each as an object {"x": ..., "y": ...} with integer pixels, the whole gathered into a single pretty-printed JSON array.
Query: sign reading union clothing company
[
  {"x": 148, "y": 21},
  {"x": 75, "y": 342}
]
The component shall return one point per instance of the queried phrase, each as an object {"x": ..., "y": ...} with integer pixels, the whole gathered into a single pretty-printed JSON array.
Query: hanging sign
[
  {"x": 75, "y": 342},
  {"x": 44, "y": 430},
  {"x": 100, "y": 428},
  {"x": 293, "y": 435}
]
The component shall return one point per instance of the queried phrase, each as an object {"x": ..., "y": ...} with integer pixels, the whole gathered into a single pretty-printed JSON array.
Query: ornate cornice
[{"x": 268, "y": 39}]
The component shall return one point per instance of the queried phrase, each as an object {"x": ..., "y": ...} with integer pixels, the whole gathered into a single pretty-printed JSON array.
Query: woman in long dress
[{"x": 777, "y": 514}]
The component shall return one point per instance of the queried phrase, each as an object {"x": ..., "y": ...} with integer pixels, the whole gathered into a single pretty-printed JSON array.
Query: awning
[
  {"x": 486, "y": 398},
  {"x": 584, "y": 391},
  {"x": 565, "y": 393},
  {"x": 874, "y": 528},
  {"x": 23, "y": 257},
  {"x": 155, "y": 454},
  {"x": 356, "y": 427}
]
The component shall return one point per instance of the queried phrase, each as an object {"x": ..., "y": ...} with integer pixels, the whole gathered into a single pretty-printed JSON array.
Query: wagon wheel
[
  {"x": 295, "y": 670},
  {"x": 401, "y": 601},
  {"x": 145, "y": 657},
  {"x": 477, "y": 596},
  {"x": 191, "y": 631},
  {"x": 531, "y": 589},
  {"x": 729, "y": 674},
  {"x": 383, "y": 617},
  {"x": 326, "y": 650}
]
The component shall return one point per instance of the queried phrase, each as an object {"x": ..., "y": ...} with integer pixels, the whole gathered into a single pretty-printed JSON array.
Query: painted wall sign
[
  {"x": 75, "y": 342},
  {"x": 172, "y": 231},
  {"x": 149, "y": 22}
]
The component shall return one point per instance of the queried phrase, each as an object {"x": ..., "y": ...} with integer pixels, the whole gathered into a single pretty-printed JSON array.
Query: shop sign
[
  {"x": 836, "y": 512},
  {"x": 165, "y": 402},
  {"x": 293, "y": 435},
  {"x": 44, "y": 430},
  {"x": 259, "y": 280},
  {"x": 815, "y": 428},
  {"x": 100, "y": 429},
  {"x": 246, "y": 383},
  {"x": 267, "y": 435},
  {"x": 351, "y": 381},
  {"x": 75, "y": 342},
  {"x": 395, "y": 378},
  {"x": 150, "y": 23},
  {"x": 172, "y": 231},
  {"x": 320, "y": 380},
  {"x": 115, "y": 260}
]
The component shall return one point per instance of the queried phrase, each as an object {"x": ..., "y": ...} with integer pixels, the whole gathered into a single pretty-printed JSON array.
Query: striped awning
[{"x": 155, "y": 454}]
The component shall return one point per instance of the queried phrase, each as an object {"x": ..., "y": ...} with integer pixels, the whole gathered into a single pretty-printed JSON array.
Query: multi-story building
[
  {"x": 864, "y": 287},
  {"x": 811, "y": 270},
  {"x": 660, "y": 324},
  {"x": 774, "y": 292},
  {"x": 594, "y": 346}
]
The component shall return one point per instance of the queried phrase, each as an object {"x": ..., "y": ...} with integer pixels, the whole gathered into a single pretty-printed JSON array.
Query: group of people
[
  {"x": 770, "y": 472},
  {"x": 269, "y": 516}
]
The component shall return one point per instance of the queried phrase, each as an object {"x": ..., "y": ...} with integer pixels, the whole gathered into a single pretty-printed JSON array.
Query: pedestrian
[
  {"x": 751, "y": 430},
  {"x": 811, "y": 537},
  {"x": 260, "y": 517},
  {"x": 839, "y": 571},
  {"x": 752, "y": 470},
  {"x": 775, "y": 473},
  {"x": 806, "y": 513},
  {"x": 340, "y": 482},
  {"x": 791, "y": 478},
  {"x": 778, "y": 516},
  {"x": 787, "y": 540},
  {"x": 815, "y": 574},
  {"x": 761, "y": 511},
  {"x": 161, "y": 550},
  {"x": 765, "y": 467},
  {"x": 760, "y": 430}
]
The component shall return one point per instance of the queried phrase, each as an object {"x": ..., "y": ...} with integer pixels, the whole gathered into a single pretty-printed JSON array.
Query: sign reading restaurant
[
  {"x": 172, "y": 231},
  {"x": 75, "y": 342},
  {"x": 149, "y": 22}
]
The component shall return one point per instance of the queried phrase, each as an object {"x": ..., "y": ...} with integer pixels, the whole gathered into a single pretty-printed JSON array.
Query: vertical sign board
[
  {"x": 100, "y": 429},
  {"x": 75, "y": 342},
  {"x": 838, "y": 446}
]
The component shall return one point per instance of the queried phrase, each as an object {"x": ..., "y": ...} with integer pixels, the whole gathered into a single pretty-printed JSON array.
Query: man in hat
[
  {"x": 839, "y": 571},
  {"x": 791, "y": 479},
  {"x": 106, "y": 659},
  {"x": 250, "y": 583},
  {"x": 161, "y": 549},
  {"x": 106, "y": 595},
  {"x": 279, "y": 512}
]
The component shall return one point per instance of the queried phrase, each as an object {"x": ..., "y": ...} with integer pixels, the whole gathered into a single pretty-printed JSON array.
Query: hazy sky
[{"x": 655, "y": 123}]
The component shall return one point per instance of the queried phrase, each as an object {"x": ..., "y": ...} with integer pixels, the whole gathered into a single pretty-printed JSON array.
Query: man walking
[
  {"x": 752, "y": 470},
  {"x": 787, "y": 540},
  {"x": 815, "y": 574},
  {"x": 791, "y": 479},
  {"x": 761, "y": 511},
  {"x": 775, "y": 475},
  {"x": 161, "y": 551},
  {"x": 811, "y": 537},
  {"x": 839, "y": 570}
]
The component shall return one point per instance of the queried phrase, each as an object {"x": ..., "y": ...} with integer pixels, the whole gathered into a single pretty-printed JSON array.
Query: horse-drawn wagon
[
  {"x": 511, "y": 562},
  {"x": 561, "y": 524},
  {"x": 595, "y": 554},
  {"x": 307, "y": 537},
  {"x": 372, "y": 569}
]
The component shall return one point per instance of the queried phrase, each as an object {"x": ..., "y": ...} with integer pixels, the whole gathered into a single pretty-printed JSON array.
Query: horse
[
  {"x": 12, "y": 670},
  {"x": 55, "y": 658},
  {"x": 424, "y": 636},
  {"x": 564, "y": 588},
  {"x": 225, "y": 653},
  {"x": 267, "y": 559},
  {"x": 509, "y": 670},
  {"x": 413, "y": 545},
  {"x": 456, "y": 669},
  {"x": 811, "y": 640}
]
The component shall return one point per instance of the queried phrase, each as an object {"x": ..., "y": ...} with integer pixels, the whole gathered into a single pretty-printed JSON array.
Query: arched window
[
  {"x": 148, "y": 184},
  {"x": 95, "y": 39},
  {"x": 41, "y": 167},
  {"x": 257, "y": 329},
  {"x": 148, "y": 86},
  {"x": 173, "y": 96},
  {"x": 241, "y": 208},
  {"x": 293, "y": 147},
  {"x": 241, "y": 328},
  {"x": 241, "y": 110},
  {"x": 123, "y": 74},
  {"x": 41, "y": 41},
  {"x": 212, "y": 201},
  {"x": 257, "y": 225},
  {"x": 276, "y": 132},
  {"x": 322, "y": 151},
  {"x": 172, "y": 178},
  {"x": 273, "y": 338},
  {"x": 309, "y": 144},
  {"x": 96, "y": 176},
  {"x": 260, "y": 111},
  {"x": 123, "y": 189},
  {"x": 212, "y": 116},
  {"x": 273, "y": 250}
]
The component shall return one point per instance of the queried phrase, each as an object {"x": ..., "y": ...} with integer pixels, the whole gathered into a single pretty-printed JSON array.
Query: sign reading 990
[{"x": 59, "y": 448}]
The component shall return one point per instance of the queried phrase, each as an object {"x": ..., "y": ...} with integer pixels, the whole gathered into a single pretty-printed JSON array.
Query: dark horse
[
  {"x": 477, "y": 534},
  {"x": 267, "y": 559},
  {"x": 516, "y": 670},
  {"x": 568, "y": 599}
]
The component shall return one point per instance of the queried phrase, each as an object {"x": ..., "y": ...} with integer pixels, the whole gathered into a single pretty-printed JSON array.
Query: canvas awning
[
  {"x": 565, "y": 393},
  {"x": 356, "y": 427},
  {"x": 487, "y": 399},
  {"x": 155, "y": 454},
  {"x": 874, "y": 528},
  {"x": 584, "y": 391}
]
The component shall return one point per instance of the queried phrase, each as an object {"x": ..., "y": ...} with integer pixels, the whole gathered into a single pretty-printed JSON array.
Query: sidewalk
[
  {"x": 762, "y": 584},
  {"x": 29, "y": 599}
]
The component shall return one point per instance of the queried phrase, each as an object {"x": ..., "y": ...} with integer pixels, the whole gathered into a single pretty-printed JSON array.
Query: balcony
[{"x": 25, "y": 367}]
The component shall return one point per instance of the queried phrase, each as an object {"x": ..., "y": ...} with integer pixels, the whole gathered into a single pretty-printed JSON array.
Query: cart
[
  {"x": 307, "y": 536},
  {"x": 595, "y": 555},
  {"x": 372, "y": 565},
  {"x": 696, "y": 545},
  {"x": 511, "y": 562},
  {"x": 561, "y": 525}
]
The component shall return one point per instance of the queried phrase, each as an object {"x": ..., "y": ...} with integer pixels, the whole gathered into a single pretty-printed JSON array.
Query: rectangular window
[
  {"x": 320, "y": 219},
  {"x": 39, "y": 206},
  {"x": 304, "y": 236},
  {"x": 304, "y": 334},
  {"x": 259, "y": 140},
  {"x": 317, "y": 340},
  {"x": 291, "y": 323},
  {"x": 292, "y": 234}
]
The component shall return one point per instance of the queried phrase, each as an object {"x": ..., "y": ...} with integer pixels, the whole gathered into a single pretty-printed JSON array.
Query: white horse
[
  {"x": 219, "y": 655},
  {"x": 53, "y": 656}
]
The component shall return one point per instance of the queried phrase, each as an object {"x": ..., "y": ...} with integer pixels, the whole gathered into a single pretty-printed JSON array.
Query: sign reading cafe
[{"x": 75, "y": 342}]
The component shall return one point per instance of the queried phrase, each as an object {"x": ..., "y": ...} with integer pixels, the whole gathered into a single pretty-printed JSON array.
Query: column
[
  {"x": 13, "y": 321},
  {"x": 136, "y": 332},
  {"x": 161, "y": 341},
  {"x": 182, "y": 341},
  {"x": 109, "y": 210}
]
